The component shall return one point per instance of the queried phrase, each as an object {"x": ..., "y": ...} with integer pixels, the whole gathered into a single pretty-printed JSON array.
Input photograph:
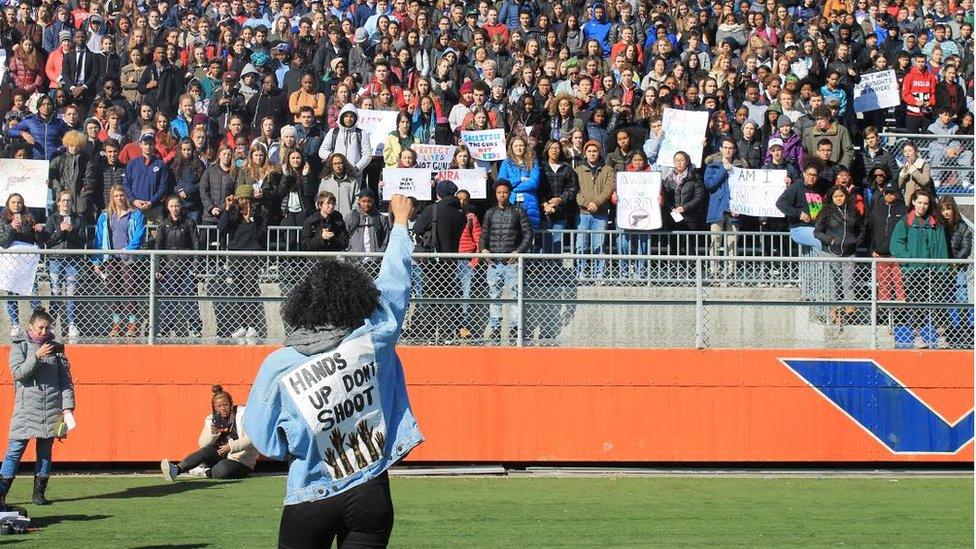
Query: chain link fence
[
  {"x": 528, "y": 300},
  {"x": 950, "y": 157}
]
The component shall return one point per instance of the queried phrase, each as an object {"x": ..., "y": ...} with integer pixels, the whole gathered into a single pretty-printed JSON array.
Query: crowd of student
[{"x": 244, "y": 114}]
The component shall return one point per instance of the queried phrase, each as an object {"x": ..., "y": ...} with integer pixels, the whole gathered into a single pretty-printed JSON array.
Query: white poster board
[
  {"x": 475, "y": 181},
  {"x": 27, "y": 177},
  {"x": 754, "y": 192},
  {"x": 378, "y": 124},
  {"x": 637, "y": 200},
  {"x": 487, "y": 145},
  {"x": 413, "y": 182},
  {"x": 433, "y": 157},
  {"x": 877, "y": 90},
  {"x": 19, "y": 271},
  {"x": 683, "y": 131}
]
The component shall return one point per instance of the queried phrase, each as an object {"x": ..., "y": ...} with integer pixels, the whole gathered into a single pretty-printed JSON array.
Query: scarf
[{"x": 40, "y": 340}]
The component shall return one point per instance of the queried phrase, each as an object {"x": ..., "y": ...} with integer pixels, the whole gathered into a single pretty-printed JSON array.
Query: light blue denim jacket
[{"x": 348, "y": 392}]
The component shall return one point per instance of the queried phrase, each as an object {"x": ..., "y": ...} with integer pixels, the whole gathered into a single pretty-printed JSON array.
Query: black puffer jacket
[
  {"x": 505, "y": 230},
  {"x": 838, "y": 228},
  {"x": 880, "y": 223},
  {"x": 177, "y": 235},
  {"x": 961, "y": 242},
  {"x": 561, "y": 183},
  {"x": 312, "y": 240},
  {"x": 690, "y": 195}
]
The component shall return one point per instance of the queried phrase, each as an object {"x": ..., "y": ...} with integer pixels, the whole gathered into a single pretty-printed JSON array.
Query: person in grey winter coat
[{"x": 43, "y": 392}]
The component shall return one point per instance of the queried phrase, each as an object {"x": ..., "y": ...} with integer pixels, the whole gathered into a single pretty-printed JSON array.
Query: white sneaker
[
  {"x": 72, "y": 333},
  {"x": 15, "y": 332},
  {"x": 198, "y": 471},
  {"x": 251, "y": 336}
]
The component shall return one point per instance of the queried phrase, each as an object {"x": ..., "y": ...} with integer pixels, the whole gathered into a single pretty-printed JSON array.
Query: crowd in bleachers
[{"x": 244, "y": 114}]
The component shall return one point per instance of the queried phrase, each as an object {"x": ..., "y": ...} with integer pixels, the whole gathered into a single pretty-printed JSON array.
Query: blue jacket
[
  {"x": 47, "y": 135},
  {"x": 147, "y": 181},
  {"x": 137, "y": 234},
  {"x": 334, "y": 403},
  {"x": 717, "y": 185},
  {"x": 509, "y": 13},
  {"x": 598, "y": 30},
  {"x": 525, "y": 185}
]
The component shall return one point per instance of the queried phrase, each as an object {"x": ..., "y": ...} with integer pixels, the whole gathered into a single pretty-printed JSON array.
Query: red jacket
[
  {"x": 470, "y": 237},
  {"x": 918, "y": 85}
]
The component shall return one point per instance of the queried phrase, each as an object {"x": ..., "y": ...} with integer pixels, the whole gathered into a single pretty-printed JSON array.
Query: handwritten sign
[
  {"x": 877, "y": 90},
  {"x": 475, "y": 181},
  {"x": 433, "y": 157},
  {"x": 26, "y": 177},
  {"x": 488, "y": 145},
  {"x": 378, "y": 124},
  {"x": 754, "y": 192},
  {"x": 407, "y": 181},
  {"x": 683, "y": 131},
  {"x": 637, "y": 200}
]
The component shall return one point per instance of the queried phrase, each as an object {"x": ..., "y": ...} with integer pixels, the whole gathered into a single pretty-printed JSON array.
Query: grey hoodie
[{"x": 350, "y": 141}]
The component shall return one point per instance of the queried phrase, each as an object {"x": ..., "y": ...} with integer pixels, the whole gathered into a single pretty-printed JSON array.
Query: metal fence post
[
  {"x": 152, "y": 299},
  {"x": 874, "y": 303},
  {"x": 699, "y": 306},
  {"x": 520, "y": 304}
]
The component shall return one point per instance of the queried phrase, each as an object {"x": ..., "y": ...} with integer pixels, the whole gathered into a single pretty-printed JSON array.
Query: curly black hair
[{"x": 334, "y": 293}]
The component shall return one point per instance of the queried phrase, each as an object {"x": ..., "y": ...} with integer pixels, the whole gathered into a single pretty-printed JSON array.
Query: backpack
[{"x": 335, "y": 137}]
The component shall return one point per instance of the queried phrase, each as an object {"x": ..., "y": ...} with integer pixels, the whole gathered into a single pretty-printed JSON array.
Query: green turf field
[{"x": 523, "y": 512}]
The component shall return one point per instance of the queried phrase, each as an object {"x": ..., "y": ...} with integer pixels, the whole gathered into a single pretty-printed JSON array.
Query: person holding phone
[
  {"x": 225, "y": 450},
  {"x": 64, "y": 230},
  {"x": 17, "y": 226},
  {"x": 43, "y": 392}
]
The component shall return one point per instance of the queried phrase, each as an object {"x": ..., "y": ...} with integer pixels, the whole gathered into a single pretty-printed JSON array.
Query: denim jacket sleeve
[{"x": 394, "y": 285}]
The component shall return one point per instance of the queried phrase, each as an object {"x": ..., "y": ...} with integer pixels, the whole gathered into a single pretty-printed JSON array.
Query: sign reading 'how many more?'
[
  {"x": 755, "y": 192},
  {"x": 486, "y": 145},
  {"x": 407, "y": 181}
]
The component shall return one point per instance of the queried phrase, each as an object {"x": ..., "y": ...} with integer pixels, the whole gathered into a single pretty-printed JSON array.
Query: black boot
[
  {"x": 5, "y": 483},
  {"x": 40, "y": 485}
]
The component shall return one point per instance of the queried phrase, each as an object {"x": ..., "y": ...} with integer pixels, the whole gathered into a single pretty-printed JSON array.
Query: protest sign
[
  {"x": 637, "y": 200},
  {"x": 18, "y": 271},
  {"x": 474, "y": 181},
  {"x": 876, "y": 90},
  {"x": 407, "y": 181},
  {"x": 488, "y": 145},
  {"x": 377, "y": 124},
  {"x": 433, "y": 157},
  {"x": 683, "y": 131},
  {"x": 754, "y": 192},
  {"x": 27, "y": 177}
]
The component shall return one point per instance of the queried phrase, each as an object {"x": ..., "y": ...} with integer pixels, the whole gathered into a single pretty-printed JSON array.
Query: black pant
[
  {"x": 220, "y": 468},
  {"x": 360, "y": 517}
]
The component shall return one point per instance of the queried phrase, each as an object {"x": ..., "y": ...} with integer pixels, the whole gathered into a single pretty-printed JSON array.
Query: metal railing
[
  {"x": 524, "y": 300},
  {"x": 950, "y": 156}
]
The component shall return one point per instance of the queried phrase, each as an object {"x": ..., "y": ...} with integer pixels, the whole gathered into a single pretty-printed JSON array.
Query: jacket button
[{"x": 399, "y": 448}]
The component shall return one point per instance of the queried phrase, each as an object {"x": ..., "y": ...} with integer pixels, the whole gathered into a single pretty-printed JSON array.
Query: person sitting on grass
[
  {"x": 333, "y": 401},
  {"x": 225, "y": 450}
]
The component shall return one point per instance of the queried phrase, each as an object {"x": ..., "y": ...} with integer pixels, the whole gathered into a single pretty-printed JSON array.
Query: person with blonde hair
[
  {"x": 261, "y": 175},
  {"x": 121, "y": 227},
  {"x": 73, "y": 172}
]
